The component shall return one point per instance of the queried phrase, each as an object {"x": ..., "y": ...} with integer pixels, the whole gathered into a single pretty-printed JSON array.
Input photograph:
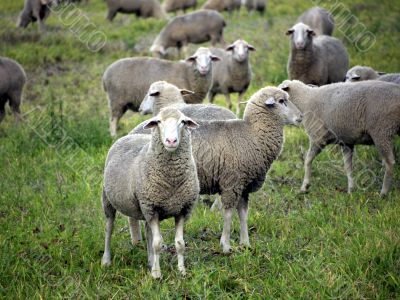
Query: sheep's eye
[{"x": 282, "y": 101}]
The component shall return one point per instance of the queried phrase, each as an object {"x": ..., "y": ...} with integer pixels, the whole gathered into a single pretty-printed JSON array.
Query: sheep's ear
[
  {"x": 153, "y": 122},
  {"x": 191, "y": 59},
  {"x": 186, "y": 92},
  {"x": 230, "y": 47},
  {"x": 190, "y": 123},
  {"x": 381, "y": 73},
  {"x": 355, "y": 77},
  {"x": 215, "y": 58},
  {"x": 312, "y": 85},
  {"x": 290, "y": 31},
  {"x": 251, "y": 47},
  {"x": 284, "y": 87},
  {"x": 154, "y": 93},
  {"x": 270, "y": 101},
  {"x": 311, "y": 32}
]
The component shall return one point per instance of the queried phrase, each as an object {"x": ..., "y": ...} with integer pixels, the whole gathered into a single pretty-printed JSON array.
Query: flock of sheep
[{"x": 188, "y": 149}]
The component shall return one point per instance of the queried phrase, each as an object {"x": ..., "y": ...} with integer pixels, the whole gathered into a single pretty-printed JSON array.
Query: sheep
[
  {"x": 319, "y": 19},
  {"x": 258, "y": 5},
  {"x": 233, "y": 73},
  {"x": 222, "y": 5},
  {"x": 141, "y": 8},
  {"x": 361, "y": 73},
  {"x": 320, "y": 60},
  {"x": 348, "y": 114},
  {"x": 12, "y": 81},
  {"x": 162, "y": 94},
  {"x": 175, "y": 5},
  {"x": 34, "y": 10},
  {"x": 196, "y": 27},
  {"x": 127, "y": 81},
  {"x": 152, "y": 178},
  {"x": 233, "y": 156}
]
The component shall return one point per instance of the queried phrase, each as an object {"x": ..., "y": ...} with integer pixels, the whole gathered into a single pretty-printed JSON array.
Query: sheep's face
[
  {"x": 170, "y": 124},
  {"x": 158, "y": 51},
  {"x": 301, "y": 36},
  {"x": 159, "y": 90},
  {"x": 240, "y": 50},
  {"x": 202, "y": 60},
  {"x": 23, "y": 21}
]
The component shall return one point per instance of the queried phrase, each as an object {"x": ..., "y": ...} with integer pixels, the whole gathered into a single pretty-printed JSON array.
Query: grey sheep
[
  {"x": 349, "y": 114},
  {"x": 258, "y": 5},
  {"x": 320, "y": 20},
  {"x": 141, "y": 8},
  {"x": 361, "y": 73},
  {"x": 316, "y": 60},
  {"x": 12, "y": 81},
  {"x": 196, "y": 27},
  {"x": 152, "y": 178},
  {"x": 222, "y": 5},
  {"x": 233, "y": 73},
  {"x": 162, "y": 94},
  {"x": 233, "y": 156},
  {"x": 34, "y": 10},
  {"x": 127, "y": 81},
  {"x": 175, "y": 5}
]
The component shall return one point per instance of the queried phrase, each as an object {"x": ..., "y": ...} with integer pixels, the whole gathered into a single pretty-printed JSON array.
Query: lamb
[
  {"x": 258, "y": 5},
  {"x": 141, "y": 8},
  {"x": 233, "y": 73},
  {"x": 152, "y": 178},
  {"x": 317, "y": 61},
  {"x": 162, "y": 94},
  {"x": 34, "y": 10},
  {"x": 349, "y": 114},
  {"x": 124, "y": 93},
  {"x": 361, "y": 73},
  {"x": 175, "y": 5},
  {"x": 319, "y": 19},
  {"x": 196, "y": 27},
  {"x": 233, "y": 156},
  {"x": 222, "y": 5},
  {"x": 12, "y": 81}
]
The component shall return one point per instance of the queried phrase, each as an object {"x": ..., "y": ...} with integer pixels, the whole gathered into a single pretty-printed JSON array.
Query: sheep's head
[
  {"x": 170, "y": 124},
  {"x": 23, "y": 20},
  {"x": 360, "y": 73},
  {"x": 202, "y": 60},
  {"x": 240, "y": 50},
  {"x": 169, "y": 94},
  {"x": 158, "y": 50},
  {"x": 301, "y": 36},
  {"x": 276, "y": 100}
]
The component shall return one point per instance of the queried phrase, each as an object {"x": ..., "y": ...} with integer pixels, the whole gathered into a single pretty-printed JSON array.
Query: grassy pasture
[{"x": 322, "y": 245}]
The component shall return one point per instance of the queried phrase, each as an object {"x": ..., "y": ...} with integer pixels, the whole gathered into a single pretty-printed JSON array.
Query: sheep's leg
[
  {"x": 149, "y": 240},
  {"x": 156, "y": 245},
  {"x": 385, "y": 148},
  {"x": 313, "y": 151},
  {"x": 2, "y": 109},
  {"x": 15, "y": 101},
  {"x": 210, "y": 96},
  {"x": 240, "y": 97},
  {"x": 217, "y": 205},
  {"x": 228, "y": 100},
  {"x": 116, "y": 115},
  {"x": 242, "y": 209},
  {"x": 226, "y": 232},
  {"x": 134, "y": 229},
  {"x": 109, "y": 211},
  {"x": 180, "y": 243},
  {"x": 347, "y": 151},
  {"x": 111, "y": 14}
]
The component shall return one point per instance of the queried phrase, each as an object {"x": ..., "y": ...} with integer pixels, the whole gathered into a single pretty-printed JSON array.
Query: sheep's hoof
[
  {"x": 226, "y": 249},
  {"x": 106, "y": 262},
  {"x": 182, "y": 270},
  {"x": 304, "y": 188},
  {"x": 156, "y": 274}
]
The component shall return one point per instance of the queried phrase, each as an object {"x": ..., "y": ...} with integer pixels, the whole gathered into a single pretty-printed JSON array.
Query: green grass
[{"x": 322, "y": 245}]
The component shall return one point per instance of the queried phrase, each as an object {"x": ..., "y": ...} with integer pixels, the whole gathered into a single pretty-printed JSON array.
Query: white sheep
[
  {"x": 152, "y": 178},
  {"x": 316, "y": 60},
  {"x": 349, "y": 114},
  {"x": 233, "y": 73},
  {"x": 127, "y": 80}
]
